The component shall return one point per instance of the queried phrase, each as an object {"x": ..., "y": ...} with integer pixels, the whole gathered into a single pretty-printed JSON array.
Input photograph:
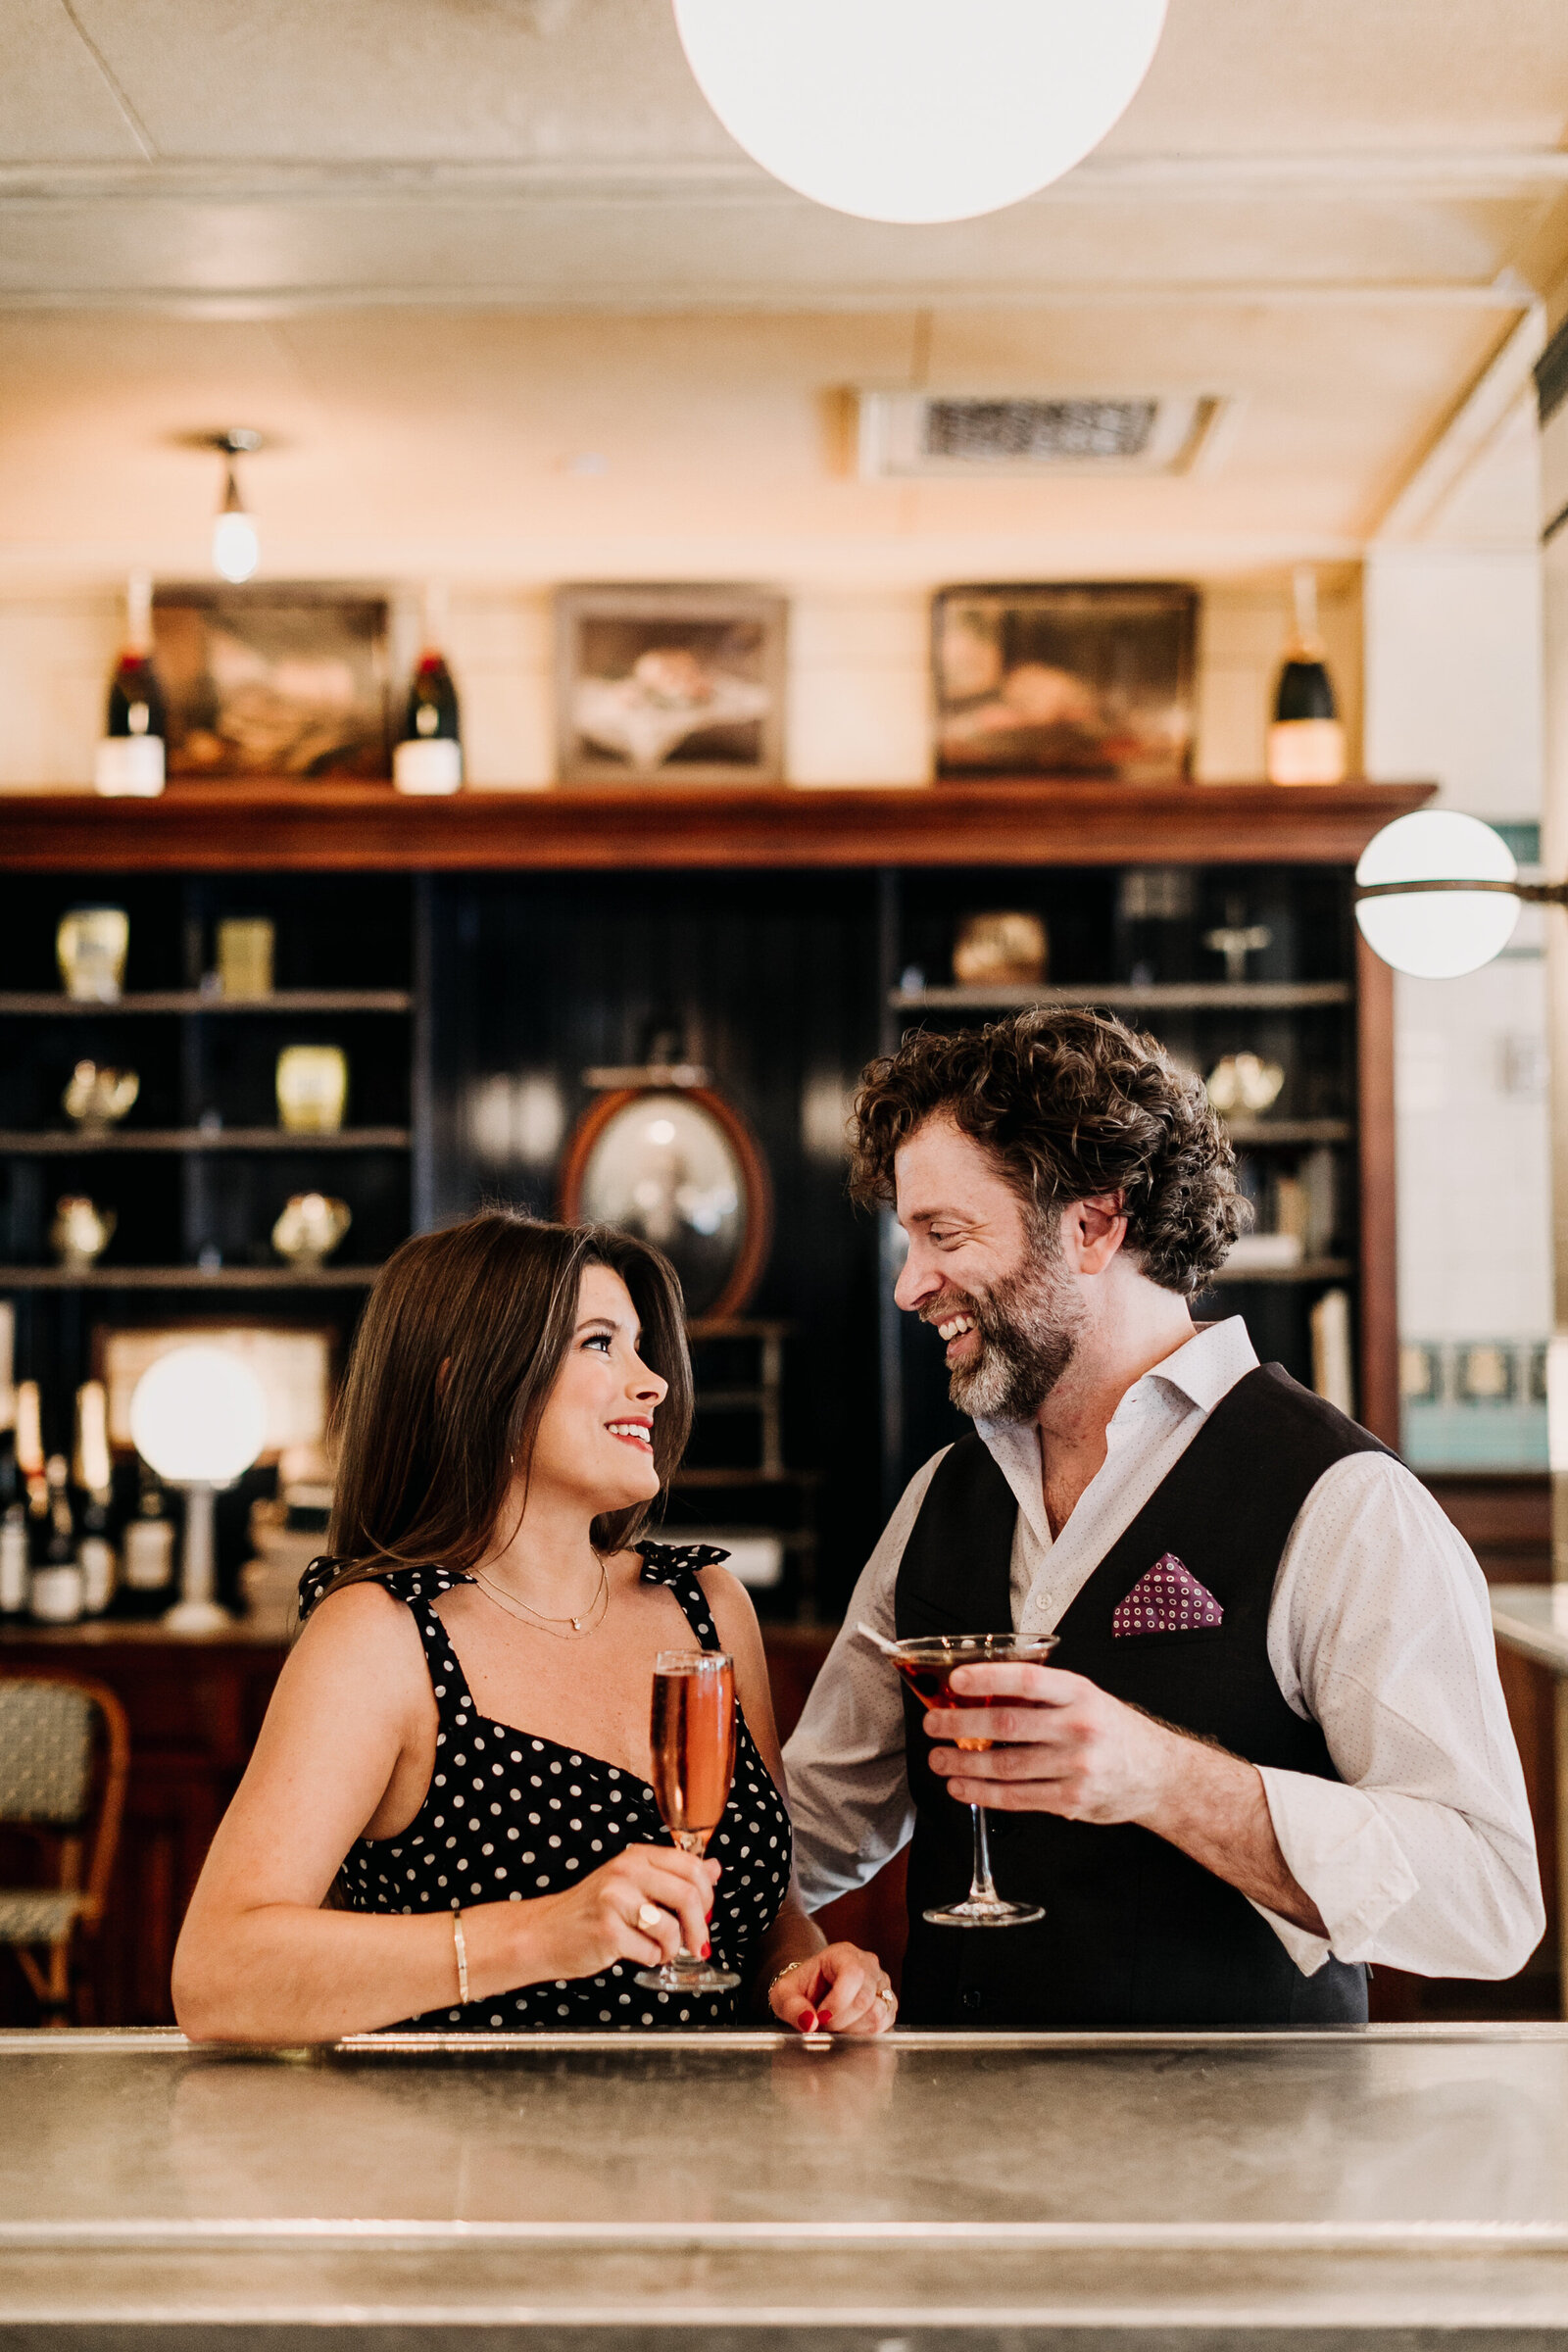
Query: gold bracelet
[
  {"x": 781, "y": 1974},
  {"x": 462, "y": 1950}
]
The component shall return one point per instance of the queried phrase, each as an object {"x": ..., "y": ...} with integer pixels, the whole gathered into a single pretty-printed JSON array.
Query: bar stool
[{"x": 65, "y": 1755}]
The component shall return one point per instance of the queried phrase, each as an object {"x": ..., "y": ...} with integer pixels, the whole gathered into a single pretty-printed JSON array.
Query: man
[{"x": 1271, "y": 1748}]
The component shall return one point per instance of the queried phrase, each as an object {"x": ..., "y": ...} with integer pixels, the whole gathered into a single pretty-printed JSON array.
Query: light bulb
[
  {"x": 236, "y": 549},
  {"x": 918, "y": 110},
  {"x": 199, "y": 1416},
  {"x": 1439, "y": 934}
]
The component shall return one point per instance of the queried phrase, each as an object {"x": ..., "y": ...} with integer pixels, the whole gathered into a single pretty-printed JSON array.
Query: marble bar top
[
  {"x": 1344, "y": 2188},
  {"x": 1534, "y": 1619}
]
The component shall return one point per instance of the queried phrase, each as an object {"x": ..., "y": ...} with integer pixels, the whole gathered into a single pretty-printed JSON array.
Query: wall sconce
[
  {"x": 236, "y": 545},
  {"x": 1438, "y": 894}
]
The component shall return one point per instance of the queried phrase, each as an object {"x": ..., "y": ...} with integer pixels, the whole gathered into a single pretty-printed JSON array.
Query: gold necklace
[{"x": 514, "y": 1607}]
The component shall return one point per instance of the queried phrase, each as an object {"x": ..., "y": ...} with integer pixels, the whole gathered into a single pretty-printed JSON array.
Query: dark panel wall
[{"x": 768, "y": 979}]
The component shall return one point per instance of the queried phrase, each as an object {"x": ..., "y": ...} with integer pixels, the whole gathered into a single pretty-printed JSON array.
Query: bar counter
[{"x": 1392, "y": 2185}]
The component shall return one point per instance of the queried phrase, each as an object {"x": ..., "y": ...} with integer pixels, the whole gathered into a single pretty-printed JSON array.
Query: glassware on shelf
[
  {"x": 1009, "y": 949},
  {"x": 311, "y": 1228},
  {"x": 91, "y": 944},
  {"x": 99, "y": 1096},
  {"x": 245, "y": 944},
  {"x": 693, "y": 1740},
  {"x": 313, "y": 1084},
  {"x": 1246, "y": 1083},
  {"x": 80, "y": 1233},
  {"x": 926, "y": 1665}
]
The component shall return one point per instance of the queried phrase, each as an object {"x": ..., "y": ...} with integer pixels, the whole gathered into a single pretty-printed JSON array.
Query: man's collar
[
  {"x": 1202, "y": 1370},
  {"x": 1208, "y": 1366}
]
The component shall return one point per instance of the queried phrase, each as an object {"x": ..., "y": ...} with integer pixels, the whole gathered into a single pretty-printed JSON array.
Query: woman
[{"x": 458, "y": 1750}]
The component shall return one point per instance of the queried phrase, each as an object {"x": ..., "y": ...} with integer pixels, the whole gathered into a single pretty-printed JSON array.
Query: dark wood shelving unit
[{"x": 527, "y": 920}]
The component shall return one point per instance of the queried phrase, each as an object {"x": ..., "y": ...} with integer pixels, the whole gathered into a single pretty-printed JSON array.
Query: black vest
[{"x": 1135, "y": 1933}]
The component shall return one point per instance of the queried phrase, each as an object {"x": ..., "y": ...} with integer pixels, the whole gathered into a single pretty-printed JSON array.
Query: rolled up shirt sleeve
[
  {"x": 849, "y": 1793},
  {"x": 1423, "y": 1855}
]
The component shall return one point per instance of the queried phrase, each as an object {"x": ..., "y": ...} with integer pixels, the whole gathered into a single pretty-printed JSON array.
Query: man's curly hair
[{"x": 1071, "y": 1104}]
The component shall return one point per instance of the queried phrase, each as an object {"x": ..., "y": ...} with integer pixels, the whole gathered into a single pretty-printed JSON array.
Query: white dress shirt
[{"x": 1422, "y": 1855}]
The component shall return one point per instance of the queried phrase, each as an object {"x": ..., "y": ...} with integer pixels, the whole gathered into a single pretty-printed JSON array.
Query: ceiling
[{"x": 445, "y": 250}]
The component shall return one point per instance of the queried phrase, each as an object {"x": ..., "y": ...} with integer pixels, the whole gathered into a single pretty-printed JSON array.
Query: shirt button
[{"x": 970, "y": 2000}]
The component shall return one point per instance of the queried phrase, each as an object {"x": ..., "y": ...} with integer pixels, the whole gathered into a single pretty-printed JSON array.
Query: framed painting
[
  {"x": 1093, "y": 681},
  {"x": 273, "y": 681},
  {"x": 669, "y": 685}
]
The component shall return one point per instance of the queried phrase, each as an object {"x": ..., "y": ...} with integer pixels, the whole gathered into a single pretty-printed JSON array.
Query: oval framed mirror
[{"x": 679, "y": 1167}]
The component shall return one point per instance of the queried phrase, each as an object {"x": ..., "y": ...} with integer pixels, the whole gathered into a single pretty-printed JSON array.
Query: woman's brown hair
[{"x": 457, "y": 1350}]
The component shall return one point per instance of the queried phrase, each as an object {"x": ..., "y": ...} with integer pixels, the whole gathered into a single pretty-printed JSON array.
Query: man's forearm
[{"x": 1213, "y": 1806}]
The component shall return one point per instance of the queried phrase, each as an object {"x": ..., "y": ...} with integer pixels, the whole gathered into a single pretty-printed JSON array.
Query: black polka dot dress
[{"x": 509, "y": 1817}]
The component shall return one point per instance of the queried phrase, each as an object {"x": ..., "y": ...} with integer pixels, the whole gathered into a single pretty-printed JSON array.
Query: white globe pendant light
[
  {"x": 918, "y": 110},
  {"x": 1437, "y": 934}
]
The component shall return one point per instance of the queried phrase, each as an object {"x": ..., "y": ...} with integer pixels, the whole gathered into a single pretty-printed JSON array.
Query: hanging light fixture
[
  {"x": 236, "y": 545},
  {"x": 918, "y": 110}
]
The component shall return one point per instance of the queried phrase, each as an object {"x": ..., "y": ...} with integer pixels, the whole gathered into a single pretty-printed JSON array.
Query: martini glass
[{"x": 927, "y": 1665}]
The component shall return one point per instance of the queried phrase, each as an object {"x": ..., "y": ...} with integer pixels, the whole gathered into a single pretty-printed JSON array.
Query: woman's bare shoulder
[
  {"x": 731, "y": 1604},
  {"x": 364, "y": 1622}
]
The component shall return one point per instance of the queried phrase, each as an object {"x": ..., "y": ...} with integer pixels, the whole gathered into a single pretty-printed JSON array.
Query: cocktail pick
[{"x": 889, "y": 1650}]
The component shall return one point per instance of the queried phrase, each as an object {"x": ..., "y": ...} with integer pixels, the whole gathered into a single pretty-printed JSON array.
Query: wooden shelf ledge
[
  {"x": 370, "y": 828},
  {"x": 66, "y": 1143}
]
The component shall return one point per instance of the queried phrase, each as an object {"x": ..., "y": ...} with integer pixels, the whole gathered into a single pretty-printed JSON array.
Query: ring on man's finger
[{"x": 650, "y": 1915}]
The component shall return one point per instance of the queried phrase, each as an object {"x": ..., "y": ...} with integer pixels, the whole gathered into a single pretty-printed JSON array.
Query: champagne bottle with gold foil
[{"x": 1306, "y": 741}]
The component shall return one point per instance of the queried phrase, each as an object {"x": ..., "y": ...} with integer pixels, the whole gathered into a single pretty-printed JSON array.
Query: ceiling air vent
[{"x": 952, "y": 433}]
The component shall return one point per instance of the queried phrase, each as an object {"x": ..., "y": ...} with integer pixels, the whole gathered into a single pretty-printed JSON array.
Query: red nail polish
[
  {"x": 822, "y": 2017},
  {"x": 807, "y": 2022},
  {"x": 707, "y": 1951}
]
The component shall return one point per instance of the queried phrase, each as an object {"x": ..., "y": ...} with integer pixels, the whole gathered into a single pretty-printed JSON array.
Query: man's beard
[{"x": 1028, "y": 1325}]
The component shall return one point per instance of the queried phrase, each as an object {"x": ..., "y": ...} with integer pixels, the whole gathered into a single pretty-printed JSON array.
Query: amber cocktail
[{"x": 927, "y": 1666}]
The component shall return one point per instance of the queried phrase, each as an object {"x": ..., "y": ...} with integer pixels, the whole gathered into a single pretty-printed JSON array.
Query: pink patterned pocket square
[{"x": 1167, "y": 1599}]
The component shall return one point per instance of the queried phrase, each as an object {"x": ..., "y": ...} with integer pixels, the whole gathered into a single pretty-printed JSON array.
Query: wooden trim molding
[
  {"x": 370, "y": 828},
  {"x": 1379, "y": 1402}
]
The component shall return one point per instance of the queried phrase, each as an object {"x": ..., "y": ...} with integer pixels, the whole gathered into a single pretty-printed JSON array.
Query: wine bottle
[
  {"x": 1306, "y": 742},
  {"x": 31, "y": 1464},
  {"x": 13, "y": 1513},
  {"x": 149, "y": 1563},
  {"x": 94, "y": 1500},
  {"x": 56, "y": 1594},
  {"x": 131, "y": 757},
  {"x": 429, "y": 758}
]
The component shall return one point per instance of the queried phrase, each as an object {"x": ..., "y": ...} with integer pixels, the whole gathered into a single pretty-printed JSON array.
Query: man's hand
[
  {"x": 1072, "y": 1748},
  {"x": 1075, "y": 1750}
]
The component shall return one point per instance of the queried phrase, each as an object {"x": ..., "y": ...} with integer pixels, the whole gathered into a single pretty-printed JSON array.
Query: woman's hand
[
  {"x": 642, "y": 1905},
  {"x": 839, "y": 1990}
]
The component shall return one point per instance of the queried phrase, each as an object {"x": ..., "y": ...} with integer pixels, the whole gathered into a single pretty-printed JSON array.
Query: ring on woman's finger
[
  {"x": 887, "y": 1996},
  {"x": 651, "y": 1916}
]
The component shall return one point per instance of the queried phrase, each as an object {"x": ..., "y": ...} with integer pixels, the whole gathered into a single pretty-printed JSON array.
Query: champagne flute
[
  {"x": 927, "y": 1665},
  {"x": 694, "y": 1763}
]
